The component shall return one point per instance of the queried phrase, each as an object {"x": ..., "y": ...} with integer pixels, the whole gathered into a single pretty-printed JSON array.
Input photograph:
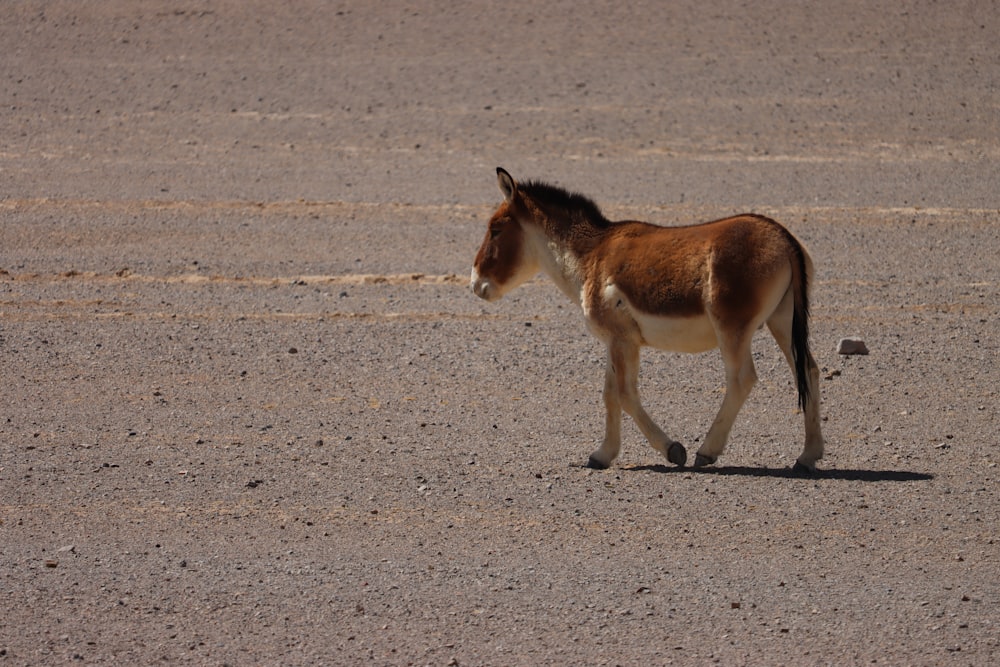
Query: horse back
[{"x": 731, "y": 265}]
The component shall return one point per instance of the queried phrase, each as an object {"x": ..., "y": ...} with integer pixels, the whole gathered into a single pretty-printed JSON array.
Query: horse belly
[{"x": 677, "y": 334}]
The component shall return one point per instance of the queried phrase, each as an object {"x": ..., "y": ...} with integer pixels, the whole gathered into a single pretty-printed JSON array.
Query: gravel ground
[{"x": 254, "y": 415}]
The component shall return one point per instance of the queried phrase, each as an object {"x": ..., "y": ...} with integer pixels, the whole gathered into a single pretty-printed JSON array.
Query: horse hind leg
[
  {"x": 780, "y": 326},
  {"x": 740, "y": 379},
  {"x": 813, "y": 449}
]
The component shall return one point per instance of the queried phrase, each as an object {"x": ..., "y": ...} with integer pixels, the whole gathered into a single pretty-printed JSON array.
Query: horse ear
[{"x": 507, "y": 185}]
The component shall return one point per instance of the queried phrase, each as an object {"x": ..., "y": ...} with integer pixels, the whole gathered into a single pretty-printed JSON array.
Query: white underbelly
[{"x": 677, "y": 334}]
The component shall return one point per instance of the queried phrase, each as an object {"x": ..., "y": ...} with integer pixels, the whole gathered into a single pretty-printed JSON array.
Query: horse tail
[{"x": 802, "y": 271}]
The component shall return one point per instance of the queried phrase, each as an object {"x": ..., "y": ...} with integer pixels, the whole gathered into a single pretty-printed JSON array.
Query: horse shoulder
[
  {"x": 647, "y": 283},
  {"x": 661, "y": 270}
]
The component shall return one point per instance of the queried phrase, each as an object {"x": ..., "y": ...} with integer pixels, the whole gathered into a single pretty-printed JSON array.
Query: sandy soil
[{"x": 252, "y": 413}]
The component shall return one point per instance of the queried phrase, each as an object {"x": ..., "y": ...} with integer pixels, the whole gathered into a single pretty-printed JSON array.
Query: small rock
[
  {"x": 852, "y": 346},
  {"x": 69, "y": 548}
]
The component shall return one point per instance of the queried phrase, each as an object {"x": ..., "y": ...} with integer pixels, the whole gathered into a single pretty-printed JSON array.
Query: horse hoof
[
  {"x": 595, "y": 464},
  {"x": 804, "y": 470},
  {"x": 676, "y": 454},
  {"x": 700, "y": 461}
]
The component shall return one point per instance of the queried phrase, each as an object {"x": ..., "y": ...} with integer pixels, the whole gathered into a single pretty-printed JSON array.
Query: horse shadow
[{"x": 848, "y": 475}]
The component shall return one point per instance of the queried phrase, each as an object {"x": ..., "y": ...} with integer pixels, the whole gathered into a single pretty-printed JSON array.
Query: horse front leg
[
  {"x": 621, "y": 392},
  {"x": 612, "y": 444}
]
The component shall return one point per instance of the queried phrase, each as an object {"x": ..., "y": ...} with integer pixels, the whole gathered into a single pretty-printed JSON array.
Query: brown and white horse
[{"x": 687, "y": 289}]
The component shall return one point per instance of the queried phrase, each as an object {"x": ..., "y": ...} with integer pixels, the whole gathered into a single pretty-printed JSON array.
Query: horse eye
[{"x": 494, "y": 232}]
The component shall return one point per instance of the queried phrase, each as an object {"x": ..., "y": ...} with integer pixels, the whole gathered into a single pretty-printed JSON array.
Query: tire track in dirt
[
  {"x": 195, "y": 205},
  {"x": 75, "y": 308},
  {"x": 872, "y": 214},
  {"x": 198, "y": 279}
]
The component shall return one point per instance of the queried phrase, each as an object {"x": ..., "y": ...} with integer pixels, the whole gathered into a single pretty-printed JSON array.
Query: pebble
[{"x": 852, "y": 346}]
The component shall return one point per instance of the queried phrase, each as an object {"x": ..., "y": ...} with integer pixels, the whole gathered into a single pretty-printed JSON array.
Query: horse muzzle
[{"x": 483, "y": 287}]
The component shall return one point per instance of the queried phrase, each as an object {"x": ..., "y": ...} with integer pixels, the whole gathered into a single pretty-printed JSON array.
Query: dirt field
[{"x": 253, "y": 415}]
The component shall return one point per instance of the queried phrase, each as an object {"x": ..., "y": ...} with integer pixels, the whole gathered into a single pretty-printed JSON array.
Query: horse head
[{"x": 503, "y": 261}]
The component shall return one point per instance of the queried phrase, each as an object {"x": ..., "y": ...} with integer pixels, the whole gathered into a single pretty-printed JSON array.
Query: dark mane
[{"x": 577, "y": 207}]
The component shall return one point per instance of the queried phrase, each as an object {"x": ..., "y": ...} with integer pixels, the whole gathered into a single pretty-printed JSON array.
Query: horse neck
[{"x": 559, "y": 255}]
